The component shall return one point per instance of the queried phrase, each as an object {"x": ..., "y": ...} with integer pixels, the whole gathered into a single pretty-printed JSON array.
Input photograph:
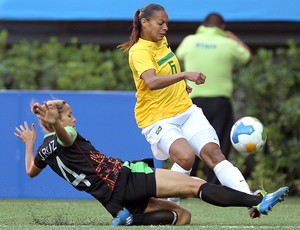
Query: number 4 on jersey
[{"x": 78, "y": 178}]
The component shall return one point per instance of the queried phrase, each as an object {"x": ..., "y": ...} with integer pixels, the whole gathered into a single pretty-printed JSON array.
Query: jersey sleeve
[
  {"x": 241, "y": 54},
  {"x": 142, "y": 61},
  {"x": 39, "y": 162},
  {"x": 69, "y": 129}
]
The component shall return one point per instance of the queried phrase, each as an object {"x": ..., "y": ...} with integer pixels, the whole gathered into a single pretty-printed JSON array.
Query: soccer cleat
[
  {"x": 124, "y": 218},
  {"x": 271, "y": 199},
  {"x": 254, "y": 213}
]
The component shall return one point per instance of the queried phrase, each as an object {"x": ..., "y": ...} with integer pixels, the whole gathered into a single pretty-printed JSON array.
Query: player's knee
[
  {"x": 186, "y": 161},
  {"x": 184, "y": 217}
]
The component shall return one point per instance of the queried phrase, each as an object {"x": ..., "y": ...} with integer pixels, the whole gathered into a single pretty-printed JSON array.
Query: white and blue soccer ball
[{"x": 248, "y": 135}]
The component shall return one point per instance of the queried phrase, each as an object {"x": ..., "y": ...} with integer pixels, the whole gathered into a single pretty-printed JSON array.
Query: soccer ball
[{"x": 248, "y": 135}]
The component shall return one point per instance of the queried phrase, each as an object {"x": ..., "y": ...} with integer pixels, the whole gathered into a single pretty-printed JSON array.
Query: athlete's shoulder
[
  {"x": 74, "y": 133},
  {"x": 141, "y": 45}
]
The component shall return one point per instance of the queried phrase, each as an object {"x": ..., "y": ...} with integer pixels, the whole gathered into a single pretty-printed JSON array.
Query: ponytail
[
  {"x": 146, "y": 12},
  {"x": 135, "y": 33}
]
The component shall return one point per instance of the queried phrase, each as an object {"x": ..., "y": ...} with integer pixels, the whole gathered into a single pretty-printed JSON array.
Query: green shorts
[{"x": 136, "y": 184}]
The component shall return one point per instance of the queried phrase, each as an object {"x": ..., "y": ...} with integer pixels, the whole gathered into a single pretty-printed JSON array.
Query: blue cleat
[
  {"x": 124, "y": 218},
  {"x": 271, "y": 199}
]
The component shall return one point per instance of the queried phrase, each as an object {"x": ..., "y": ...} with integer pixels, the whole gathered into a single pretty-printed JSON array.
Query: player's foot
[
  {"x": 124, "y": 218},
  {"x": 271, "y": 199},
  {"x": 175, "y": 200},
  {"x": 254, "y": 213}
]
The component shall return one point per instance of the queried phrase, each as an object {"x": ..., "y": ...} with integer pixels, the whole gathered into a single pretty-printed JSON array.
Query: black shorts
[{"x": 136, "y": 184}]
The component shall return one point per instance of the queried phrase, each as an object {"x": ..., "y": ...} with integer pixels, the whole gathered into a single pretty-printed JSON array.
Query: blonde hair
[{"x": 59, "y": 105}]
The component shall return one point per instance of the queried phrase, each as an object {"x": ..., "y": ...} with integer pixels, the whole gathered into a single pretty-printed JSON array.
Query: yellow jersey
[{"x": 155, "y": 105}]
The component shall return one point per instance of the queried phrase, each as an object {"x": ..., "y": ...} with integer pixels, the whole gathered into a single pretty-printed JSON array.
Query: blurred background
[
  {"x": 67, "y": 49},
  {"x": 259, "y": 23}
]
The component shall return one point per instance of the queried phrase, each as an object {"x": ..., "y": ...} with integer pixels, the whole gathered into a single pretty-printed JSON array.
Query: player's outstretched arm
[
  {"x": 28, "y": 136},
  {"x": 155, "y": 82}
]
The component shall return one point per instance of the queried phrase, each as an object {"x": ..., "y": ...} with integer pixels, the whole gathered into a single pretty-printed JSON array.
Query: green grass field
[{"x": 89, "y": 214}]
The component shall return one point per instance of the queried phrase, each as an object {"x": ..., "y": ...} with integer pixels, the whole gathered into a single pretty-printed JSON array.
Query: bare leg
[
  {"x": 182, "y": 153},
  {"x": 170, "y": 184},
  {"x": 183, "y": 215},
  {"x": 211, "y": 154}
]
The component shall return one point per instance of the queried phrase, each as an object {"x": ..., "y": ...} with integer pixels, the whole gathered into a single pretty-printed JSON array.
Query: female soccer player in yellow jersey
[{"x": 171, "y": 123}]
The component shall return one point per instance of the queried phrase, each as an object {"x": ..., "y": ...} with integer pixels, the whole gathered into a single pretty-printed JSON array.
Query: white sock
[
  {"x": 175, "y": 218},
  {"x": 176, "y": 167},
  {"x": 231, "y": 176}
]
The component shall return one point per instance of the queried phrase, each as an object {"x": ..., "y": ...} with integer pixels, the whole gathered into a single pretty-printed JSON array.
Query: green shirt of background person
[{"x": 215, "y": 53}]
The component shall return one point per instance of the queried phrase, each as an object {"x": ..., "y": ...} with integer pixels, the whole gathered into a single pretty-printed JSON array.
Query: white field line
[
  {"x": 261, "y": 227},
  {"x": 168, "y": 226}
]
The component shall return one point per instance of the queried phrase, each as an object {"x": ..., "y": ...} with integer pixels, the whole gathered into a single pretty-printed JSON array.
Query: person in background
[
  {"x": 128, "y": 190},
  {"x": 174, "y": 126},
  {"x": 215, "y": 52}
]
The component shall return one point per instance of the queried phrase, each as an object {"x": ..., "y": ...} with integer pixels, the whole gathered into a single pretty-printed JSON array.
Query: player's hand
[
  {"x": 197, "y": 77},
  {"x": 27, "y": 135},
  {"x": 189, "y": 89},
  {"x": 48, "y": 113}
]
